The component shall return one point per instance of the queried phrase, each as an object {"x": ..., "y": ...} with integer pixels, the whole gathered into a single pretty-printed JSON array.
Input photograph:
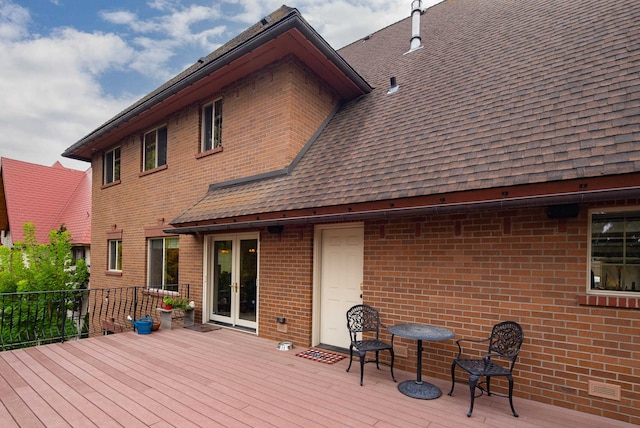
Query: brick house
[{"x": 480, "y": 166}]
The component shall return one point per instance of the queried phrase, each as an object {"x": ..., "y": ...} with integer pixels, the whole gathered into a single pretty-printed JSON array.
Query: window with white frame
[
  {"x": 155, "y": 148},
  {"x": 115, "y": 254},
  {"x": 615, "y": 251},
  {"x": 211, "y": 125},
  {"x": 112, "y": 166},
  {"x": 163, "y": 262}
]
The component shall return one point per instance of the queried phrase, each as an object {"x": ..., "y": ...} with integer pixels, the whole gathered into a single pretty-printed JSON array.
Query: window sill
[
  {"x": 209, "y": 153},
  {"x": 113, "y": 183},
  {"x": 609, "y": 301},
  {"x": 113, "y": 273},
  {"x": 153, "y": 171},
  {"x": 162, "y": 293}
]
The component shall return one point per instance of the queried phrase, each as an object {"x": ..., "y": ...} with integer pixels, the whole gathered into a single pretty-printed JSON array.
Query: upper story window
[
  {"x": 211, "y": 126},
  {"x": 115, "y": 254},
  {"x": 615, "y": 251},
  {"x": 112, "y": 166},
  {"x": 155, "y": 148}
]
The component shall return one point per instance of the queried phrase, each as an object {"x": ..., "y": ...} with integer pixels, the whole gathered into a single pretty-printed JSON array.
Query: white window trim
[
  {"x": 164, "y": 255},
  {"x": 203, "y": 139},
  {"x": 113, "y": 166},
  {"x": 144, "y": 147},
  {"x": 114, "y": 262},
  {"x": 592, "y": 211}
]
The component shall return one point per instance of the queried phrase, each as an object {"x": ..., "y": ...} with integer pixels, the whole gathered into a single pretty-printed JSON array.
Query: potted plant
[
  {"x": 169, "y": 302},
  {"x": 188, "y": 308}
]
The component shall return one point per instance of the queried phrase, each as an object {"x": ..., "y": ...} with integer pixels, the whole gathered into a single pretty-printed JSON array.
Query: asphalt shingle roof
[{"x": 502, "y": 93}]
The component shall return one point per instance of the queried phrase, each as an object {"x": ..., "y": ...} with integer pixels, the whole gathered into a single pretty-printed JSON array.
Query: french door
[{"x": 233, "y": 279}]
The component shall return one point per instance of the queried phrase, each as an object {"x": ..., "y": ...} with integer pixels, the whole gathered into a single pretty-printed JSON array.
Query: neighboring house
[
  {"x": 48, "y": 197},
  {"x": 482, "y": 167}
]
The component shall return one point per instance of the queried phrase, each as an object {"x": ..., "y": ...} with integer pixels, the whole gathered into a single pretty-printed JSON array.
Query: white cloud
[
  {"x": 13, "y": 21},
  {"x": 51, "y": 92}
]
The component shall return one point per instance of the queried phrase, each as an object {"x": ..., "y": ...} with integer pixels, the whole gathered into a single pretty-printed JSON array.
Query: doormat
[
  {"x": 203, "y": 328},
  {"x": 321, "y": 356}
]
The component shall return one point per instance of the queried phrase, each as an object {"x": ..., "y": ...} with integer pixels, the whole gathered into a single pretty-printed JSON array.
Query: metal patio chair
[
  {"x": 504, "y": 344},
  {"x": 362, "y": 321}
]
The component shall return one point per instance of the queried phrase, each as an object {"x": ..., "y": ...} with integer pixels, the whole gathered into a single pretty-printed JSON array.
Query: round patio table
[{"x": 417, "y": 388}]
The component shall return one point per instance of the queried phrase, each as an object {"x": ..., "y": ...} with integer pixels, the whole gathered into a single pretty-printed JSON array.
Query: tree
[{"x": 30, "y": 266}]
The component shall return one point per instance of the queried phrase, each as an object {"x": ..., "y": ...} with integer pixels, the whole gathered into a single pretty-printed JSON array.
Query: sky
[{"x": 68, "y": 66}]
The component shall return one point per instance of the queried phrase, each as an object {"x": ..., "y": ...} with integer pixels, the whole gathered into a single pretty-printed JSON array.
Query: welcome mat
[
  {"x": 203, "y": 328},
  {"x": 321, "y": 356}
]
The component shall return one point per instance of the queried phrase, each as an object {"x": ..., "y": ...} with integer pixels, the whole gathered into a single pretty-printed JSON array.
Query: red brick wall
[
  {"x": 286, "y": 279},
  {"x": 469, "y": 271}
]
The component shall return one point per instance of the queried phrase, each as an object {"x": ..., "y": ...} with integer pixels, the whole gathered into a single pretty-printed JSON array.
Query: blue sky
[{"x": 67, "y": 66}]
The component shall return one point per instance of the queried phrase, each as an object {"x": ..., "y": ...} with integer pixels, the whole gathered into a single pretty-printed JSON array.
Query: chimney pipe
[{"x": 416, "y": 11}]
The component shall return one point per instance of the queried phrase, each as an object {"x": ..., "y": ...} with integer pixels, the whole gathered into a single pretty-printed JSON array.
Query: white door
[
  {"x": 233, "y": 279},
  {"x": 341, "y": 271}
]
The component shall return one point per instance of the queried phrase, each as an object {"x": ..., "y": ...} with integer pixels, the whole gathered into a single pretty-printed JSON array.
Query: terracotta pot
[{"x": 168, "y": 307}]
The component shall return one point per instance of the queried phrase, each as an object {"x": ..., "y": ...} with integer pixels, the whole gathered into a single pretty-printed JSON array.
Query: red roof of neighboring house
[{"x": 47, "y": 197}]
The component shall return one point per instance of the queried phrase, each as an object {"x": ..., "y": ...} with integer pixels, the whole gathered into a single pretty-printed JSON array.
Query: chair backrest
[
  {"x": 362, "y": 318},
  {"x": 506, "y": 340}
]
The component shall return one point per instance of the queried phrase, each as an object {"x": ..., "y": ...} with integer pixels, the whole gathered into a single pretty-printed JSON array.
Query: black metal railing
[{"x": 36, "y": 318}]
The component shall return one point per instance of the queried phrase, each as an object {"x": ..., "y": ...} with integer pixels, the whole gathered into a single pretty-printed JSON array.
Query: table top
[{"x": 421, "y": 332}]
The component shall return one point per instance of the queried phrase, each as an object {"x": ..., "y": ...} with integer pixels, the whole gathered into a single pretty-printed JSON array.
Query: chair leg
[
  {"x": 350, "y": 357},
  {"x": 392, "y": 358},
  {"x": 511, "y": 395},
  {"x": 488, "y": 385},
  {"x": 362, "y": 359},
  {"x": 473, "y": 380},
  {"x": 453, "y": 377}
]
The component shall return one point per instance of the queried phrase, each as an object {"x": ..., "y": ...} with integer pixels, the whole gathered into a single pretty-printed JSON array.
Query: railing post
[{"x": 135, "y": 302}]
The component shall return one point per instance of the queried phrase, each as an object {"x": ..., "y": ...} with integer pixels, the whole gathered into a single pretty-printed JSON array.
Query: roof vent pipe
[
  {"x": 393, "y": 85},
  {"x": 416, "y": 11}
]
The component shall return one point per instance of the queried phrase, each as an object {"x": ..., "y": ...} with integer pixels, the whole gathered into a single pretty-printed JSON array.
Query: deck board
[{"x": 226, "y": 378}]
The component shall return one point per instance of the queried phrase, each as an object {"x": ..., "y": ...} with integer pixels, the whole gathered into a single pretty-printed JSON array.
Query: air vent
[{"x": 603, "y": 390}]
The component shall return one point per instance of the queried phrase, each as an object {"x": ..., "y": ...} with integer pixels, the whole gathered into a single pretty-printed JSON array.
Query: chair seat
[
  {"x": 370, "y": 345},
  {"x": 478, "y": 367}
]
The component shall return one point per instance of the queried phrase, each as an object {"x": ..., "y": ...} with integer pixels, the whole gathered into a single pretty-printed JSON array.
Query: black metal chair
[
  {"x": 504, "y": 343},
  {"x": 362, "y": 321}
]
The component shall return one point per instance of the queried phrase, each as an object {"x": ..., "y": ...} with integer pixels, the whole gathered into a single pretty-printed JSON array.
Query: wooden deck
[{"x": 226, "y": 378}]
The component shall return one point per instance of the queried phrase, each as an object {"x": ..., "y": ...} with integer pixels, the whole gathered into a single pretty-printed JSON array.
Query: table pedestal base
[{"x": 423, "y": 390}]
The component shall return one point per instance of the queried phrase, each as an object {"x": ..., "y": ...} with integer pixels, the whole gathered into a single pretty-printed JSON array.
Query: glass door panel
[
  {"x": 222, "y": 267},
  {"x": 234, "y": 280},
  {"x": 248, "y": 279}
]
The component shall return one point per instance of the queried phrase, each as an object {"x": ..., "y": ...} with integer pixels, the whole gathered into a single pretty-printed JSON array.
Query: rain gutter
[{"x": 434, "y": 209}]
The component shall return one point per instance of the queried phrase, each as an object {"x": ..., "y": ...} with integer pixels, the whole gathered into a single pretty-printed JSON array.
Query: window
[
  {"x": 615, "y": 251},
  {"x": 115, "y": 254},
  {"x": 155, "y": 148},
  {"x": 163, "y": 262},
  {"x": 112, "y": 166},
  {"x": 212, "y": 126}
]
